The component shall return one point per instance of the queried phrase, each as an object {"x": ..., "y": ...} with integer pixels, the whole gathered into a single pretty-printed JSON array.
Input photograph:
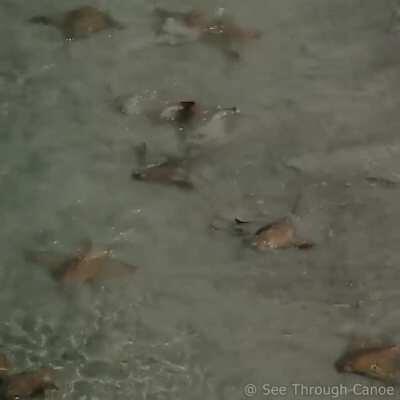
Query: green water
[{"x": 204, "y": 315}]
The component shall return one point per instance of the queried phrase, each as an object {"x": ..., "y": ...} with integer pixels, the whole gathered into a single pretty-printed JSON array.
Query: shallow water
[{"x": 204, "y": 315}]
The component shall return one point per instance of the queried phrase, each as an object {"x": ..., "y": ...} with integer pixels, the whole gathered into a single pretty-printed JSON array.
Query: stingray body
[
  {"x": 26, "y": 385},
  {"x": 224, "y": 34},
  {"x": 171, "y": 172},
  {"x": 196, "y": 124},
  {"x": 5, "y": 365},
  {"x": 213, "y": 129},
  {"x": 198, "y": 127},
  {"x": 181, "y": 113},
  {"x": 377, "y": 362},
  {"x": 80, "y": 22},
  {"x": 219, "y": 31},
  {"x": 279, "y": 235},
  {"x": 85, "y": 266},
  {"x": 190, "y": 114}
]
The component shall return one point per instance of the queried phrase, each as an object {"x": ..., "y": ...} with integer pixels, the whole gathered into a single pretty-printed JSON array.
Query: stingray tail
[
  {"x": 240, "y": 221},
  {"x": 42, "y": 19},
  {"x": 303, "y": 245},
  {"x": 184, "y": 184},
  {"x": 137, "y": 175}
]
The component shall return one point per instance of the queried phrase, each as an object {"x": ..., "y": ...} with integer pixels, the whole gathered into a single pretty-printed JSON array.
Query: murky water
[{"x": 204, "y": 316}]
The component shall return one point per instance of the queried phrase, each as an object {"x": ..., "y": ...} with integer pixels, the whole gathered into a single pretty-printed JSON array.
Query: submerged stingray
[
  {"x": 377, "y": 362},
  {"x": 213, "y": 130},
  {"x": 219, "y": 31},
  {"x": 80, "y": 22},
  {"x": 85, "y": 266},
  {"x": 199, "y": 126},
  {"x": 190, "y": 114},
  {"x": 280, "y": 234},
  {"x": 181, "y": 113},
  {"x": 5, "y": 365},
  {"x": 173, "y": 171},
  {"x": 23, "y": 385},
  {"x": 199, "y": 123},
  {"x": 196, "y": 124},
  {"x": 26, "y": 385}
]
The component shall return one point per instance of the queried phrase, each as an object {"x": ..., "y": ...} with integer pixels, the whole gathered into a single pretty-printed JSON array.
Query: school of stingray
[{"x": 196, "y": 125}]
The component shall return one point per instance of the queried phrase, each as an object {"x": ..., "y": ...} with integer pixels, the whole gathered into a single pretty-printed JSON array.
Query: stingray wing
[
  {"x": 85, "y": 270},
  {"x": 264, "y": 228},
  {"x": 111, "y": 268},
  {"x": 276, "y": 223},
  {"x": 56, "y": 263}
]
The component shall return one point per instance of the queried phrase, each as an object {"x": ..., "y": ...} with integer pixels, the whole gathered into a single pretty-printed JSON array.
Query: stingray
[
  {"x": 181, "y": 113},
  {"x": 174, "y": 171},
  {"x": 195, "y": 124},
  {"x": 184, "y": 115},
  {"x": 24, "y": 385},
  {"x": 5, "y": 365},
  {"x": 84, "y": 266},
  {"x": 213, "y": 130},
  {"x": 219, "y": 31},
  {"x": 189, "y": 114},
  {"x": 28, "y": 384},
  {"x": 80, "y": 22},
  {"x": 278, "y": 234},
  {"x": 380, "y": 361}
]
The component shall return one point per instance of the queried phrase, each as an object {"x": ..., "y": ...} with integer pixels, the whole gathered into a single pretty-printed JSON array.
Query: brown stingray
[
  {"x": 221, "y": 32},
  {"x": 5, "y": 365},
  {"x": 170, "y": 172},
  {"x": 229, "y": 30},
  {"x": 84, "y": 266},
  {"x": 221, "y": 25},
  {"x": 80, "y": 22},
  {"x": 28, "y": 384},
  {"x": 378, "y": 362},
  {"x": 279, "y": 235}
]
